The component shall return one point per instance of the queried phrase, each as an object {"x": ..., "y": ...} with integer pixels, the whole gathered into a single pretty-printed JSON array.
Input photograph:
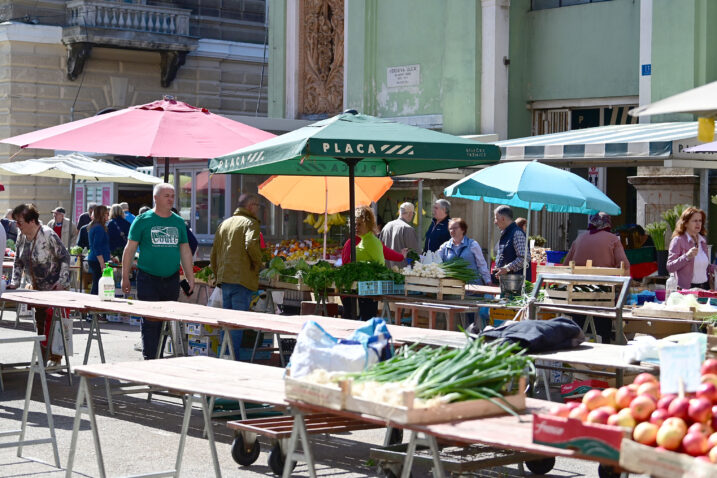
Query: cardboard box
[
  {"x": 202, "y": 330},
  {"x": 205, "y": 346},
  {"x": 648, "y": 460},
  {"x": 588, "y": 439},
  {"x": 575, "y": 390}
]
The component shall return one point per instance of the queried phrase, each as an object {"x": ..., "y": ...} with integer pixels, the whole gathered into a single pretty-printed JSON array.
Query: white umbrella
[
  {"x": 76, "y": 166},
  {"x": 701, "y": 101}
]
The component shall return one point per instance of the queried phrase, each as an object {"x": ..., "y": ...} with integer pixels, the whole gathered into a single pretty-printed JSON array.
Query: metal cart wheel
[
  {"x": 541, "y": 467},
  {"x": 606, "y": 471},
  {"x": 243, "y": 455},
  {"x": 277, "y": 460}
]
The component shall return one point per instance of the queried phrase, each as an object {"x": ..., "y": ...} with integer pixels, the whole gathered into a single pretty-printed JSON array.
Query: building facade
[
  {"x": 65, "y": 60},
  {"x": 512, "y": 68}
]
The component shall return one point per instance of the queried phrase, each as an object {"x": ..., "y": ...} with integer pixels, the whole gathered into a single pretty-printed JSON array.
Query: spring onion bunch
[{"x": 480, "y": 370}]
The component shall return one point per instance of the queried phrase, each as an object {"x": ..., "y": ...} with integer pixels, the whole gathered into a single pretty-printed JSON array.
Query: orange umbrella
[{"x": 322, "y": 194}]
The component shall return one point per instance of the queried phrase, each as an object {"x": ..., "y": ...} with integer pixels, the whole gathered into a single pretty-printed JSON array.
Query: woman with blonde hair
[
  {"x": 368, "y": 249},
  {"x": 688, "y": 257},
  {"x": 117, "y": 229}
]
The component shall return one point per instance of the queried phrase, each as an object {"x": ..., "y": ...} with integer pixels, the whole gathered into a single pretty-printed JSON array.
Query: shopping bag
[
  {"x": 66, "y": 323},
  {"x": 215, "y": 300},
  {"x": 317, "y": 349}
]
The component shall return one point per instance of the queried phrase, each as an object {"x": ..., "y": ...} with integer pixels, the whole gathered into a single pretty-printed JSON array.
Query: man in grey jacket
[{"x": 399, "y": 235}]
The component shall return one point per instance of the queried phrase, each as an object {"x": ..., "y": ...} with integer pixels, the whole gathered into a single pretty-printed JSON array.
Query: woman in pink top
[
  {"x": 599, "y": 245},
  {"x": 688, "y": 256}
]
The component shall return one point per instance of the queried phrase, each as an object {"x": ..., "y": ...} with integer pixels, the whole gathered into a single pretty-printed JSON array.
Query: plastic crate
[{"x": 379, "y": 287}]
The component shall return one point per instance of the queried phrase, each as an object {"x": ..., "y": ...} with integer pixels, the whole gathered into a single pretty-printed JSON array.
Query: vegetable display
[
  {"x": 289, "y": 271},
  {"x": 453, "y": 269},
  {"x": 323, "y": 276},
  {"x": 656, "y": 231},
  {"x": 480, "y": 370}
]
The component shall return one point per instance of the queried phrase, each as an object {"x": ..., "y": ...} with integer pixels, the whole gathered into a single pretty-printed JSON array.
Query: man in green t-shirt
[{"x": 161, "y": 237}]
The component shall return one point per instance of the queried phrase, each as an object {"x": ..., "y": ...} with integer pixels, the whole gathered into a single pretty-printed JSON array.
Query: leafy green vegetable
[
  {"x": 277, "y": 264},
  {"x": 413, "y": 255},
  {"x": 459, "y": 269},
  {"x": 320, "y": 278}
]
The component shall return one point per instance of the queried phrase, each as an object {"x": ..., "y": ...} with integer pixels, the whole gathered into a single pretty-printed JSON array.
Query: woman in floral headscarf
[{"x": 599, "y": 245}]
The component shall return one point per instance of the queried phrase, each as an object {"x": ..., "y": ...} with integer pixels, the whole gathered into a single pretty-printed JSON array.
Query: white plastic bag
[
  {"x": 66, "y": 323},
  {"x": 215, "y": 300},
  {"x": 317, "y": 349}
]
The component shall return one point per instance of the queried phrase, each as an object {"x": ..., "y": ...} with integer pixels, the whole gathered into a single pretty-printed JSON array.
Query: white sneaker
[{"x": 54, "y": 363}]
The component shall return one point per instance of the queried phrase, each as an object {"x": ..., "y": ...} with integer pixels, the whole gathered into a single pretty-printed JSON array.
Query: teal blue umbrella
[{"x": 534, "y": 186}]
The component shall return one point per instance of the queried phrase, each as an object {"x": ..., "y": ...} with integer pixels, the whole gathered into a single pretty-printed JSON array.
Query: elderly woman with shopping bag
[{"x": 42, "y": 260}]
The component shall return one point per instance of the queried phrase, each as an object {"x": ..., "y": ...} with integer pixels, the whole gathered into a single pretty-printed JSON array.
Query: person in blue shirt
[
  {"x": 463, "y": 247},
  {"x": 117, "y": 229},
  {"x": 99, "y": 253},
  {"x": 127, "y": 215},
  {"x": 437, "y": 233}
]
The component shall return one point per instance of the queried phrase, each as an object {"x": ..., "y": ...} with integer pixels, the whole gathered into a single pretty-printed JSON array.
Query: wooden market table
[
  {"x": 36, "y": 365},
  {"x": 195, "y": 379}
]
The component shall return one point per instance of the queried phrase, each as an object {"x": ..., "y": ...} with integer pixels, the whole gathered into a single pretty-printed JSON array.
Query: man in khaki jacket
[
  {"x": 63, "y": 227},
  {"x": 236, "y": 257}
]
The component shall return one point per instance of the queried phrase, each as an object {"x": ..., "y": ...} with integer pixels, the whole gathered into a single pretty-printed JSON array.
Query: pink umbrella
[{"x": 165, "y": 128}]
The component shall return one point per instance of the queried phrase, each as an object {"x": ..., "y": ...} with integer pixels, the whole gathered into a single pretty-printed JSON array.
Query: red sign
[{"x": 79, "y": 202}]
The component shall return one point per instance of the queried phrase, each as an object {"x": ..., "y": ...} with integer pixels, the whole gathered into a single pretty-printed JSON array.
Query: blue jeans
[
  {"x": 154, "y": 288},
  {"x": 236, "y": 297}
]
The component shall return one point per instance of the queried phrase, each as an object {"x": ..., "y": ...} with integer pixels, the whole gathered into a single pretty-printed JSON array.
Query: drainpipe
[
  {"x": 495, "y": 15},
  {"x": 645, "y": 66}
]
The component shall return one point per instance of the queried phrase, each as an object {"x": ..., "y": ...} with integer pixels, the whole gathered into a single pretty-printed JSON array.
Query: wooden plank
[{"x": 205, "y": 375}]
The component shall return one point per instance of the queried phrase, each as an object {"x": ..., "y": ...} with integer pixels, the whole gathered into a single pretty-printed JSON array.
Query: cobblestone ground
[{"x": 142, "y": 436}]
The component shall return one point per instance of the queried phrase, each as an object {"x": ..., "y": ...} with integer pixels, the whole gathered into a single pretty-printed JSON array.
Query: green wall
[
  {"x": 683, "y": 39},
  {"x": 581, "y": 51},
  {"x": 443, "y": 38}
]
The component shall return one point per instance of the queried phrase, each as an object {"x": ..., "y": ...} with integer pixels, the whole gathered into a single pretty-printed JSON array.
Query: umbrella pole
[
  {"x": 72, "y": 199},
  {"x": 351, "y": 163},
  {"x": 326, "y": 212},
  {"x": 527, "y": 245},
  {"x": 166, "y": 169}
]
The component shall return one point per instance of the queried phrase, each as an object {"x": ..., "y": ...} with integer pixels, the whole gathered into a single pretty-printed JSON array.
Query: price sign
[{"x": 679, "y": 362}]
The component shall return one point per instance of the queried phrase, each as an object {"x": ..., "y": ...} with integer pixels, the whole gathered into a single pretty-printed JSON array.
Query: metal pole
[
  {"x": 72, "y": 199},
  {"x": 166, "y": 170},
  {"x": 419, "y": 209},
  {"x": 525, "y": 257},
  {"x": 326, "y": 212}
]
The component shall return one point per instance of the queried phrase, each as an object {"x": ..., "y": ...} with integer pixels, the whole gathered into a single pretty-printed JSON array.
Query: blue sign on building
[{"x": 647, "y": 69}]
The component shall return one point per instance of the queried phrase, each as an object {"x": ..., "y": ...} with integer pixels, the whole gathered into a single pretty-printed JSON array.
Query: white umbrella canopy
[
  {"x": 76, "y": 166},
  {"x": 79, "y": 167},
  {"x": 701, "y": 101}
]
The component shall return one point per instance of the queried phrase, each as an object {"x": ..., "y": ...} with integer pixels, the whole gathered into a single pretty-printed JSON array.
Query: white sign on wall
[{"x": 407, "y": 75}]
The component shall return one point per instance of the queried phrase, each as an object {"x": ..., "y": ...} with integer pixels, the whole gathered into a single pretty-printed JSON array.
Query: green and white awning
[{"x": 641, "y": 143}]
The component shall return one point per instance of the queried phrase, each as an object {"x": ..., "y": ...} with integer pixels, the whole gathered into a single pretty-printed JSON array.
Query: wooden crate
[
  {"x": 340, "y": 398},
  {"x": 666, "y": 313},
  {"x": 509, "y": 314},
  {"x": 587, "y": 269},
  {"x": 643, "y": 459},
  {"x": 433, "y": 285},
  {"x": 571, "y": 296}
]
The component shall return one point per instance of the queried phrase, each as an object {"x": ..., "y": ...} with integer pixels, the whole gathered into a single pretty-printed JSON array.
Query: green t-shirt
[
  {"x": 370, "y": 249},
  {"x": 159, "y": 239}
]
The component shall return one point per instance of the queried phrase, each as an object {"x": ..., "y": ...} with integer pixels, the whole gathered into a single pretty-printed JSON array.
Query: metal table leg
[
  {"x": 37, "y": 364},
  {"x": 83, "y": 404},
  {"x": 298, "y": 432}
]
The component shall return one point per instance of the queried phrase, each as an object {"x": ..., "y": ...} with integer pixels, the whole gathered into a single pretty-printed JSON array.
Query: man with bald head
[
  {"x": 161, "y": 237},
  {"x": 399, "y": 234}
]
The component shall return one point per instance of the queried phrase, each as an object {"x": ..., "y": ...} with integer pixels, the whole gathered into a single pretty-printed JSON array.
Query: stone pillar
[
  {"x": 494, "y": 67},
  {"x": 656, "y": 194}
]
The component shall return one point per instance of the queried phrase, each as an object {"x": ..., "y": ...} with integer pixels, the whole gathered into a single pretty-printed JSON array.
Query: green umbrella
[{"x": 352, "y": 144}]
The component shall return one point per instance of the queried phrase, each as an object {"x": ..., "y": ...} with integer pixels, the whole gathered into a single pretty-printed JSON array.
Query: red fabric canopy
[{"x": 165, "y": 128}]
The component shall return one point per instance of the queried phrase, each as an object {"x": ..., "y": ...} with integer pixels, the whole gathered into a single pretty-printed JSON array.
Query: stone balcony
[{"x": 133, "y": 26}]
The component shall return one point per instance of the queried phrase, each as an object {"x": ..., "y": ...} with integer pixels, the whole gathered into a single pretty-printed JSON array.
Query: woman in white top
[{"x": 688, "y": 257}]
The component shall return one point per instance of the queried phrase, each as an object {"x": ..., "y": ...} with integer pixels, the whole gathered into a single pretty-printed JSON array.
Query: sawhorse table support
[
  {"x": 37, "y": 365},
  {"x": 83, "y": 405}
]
